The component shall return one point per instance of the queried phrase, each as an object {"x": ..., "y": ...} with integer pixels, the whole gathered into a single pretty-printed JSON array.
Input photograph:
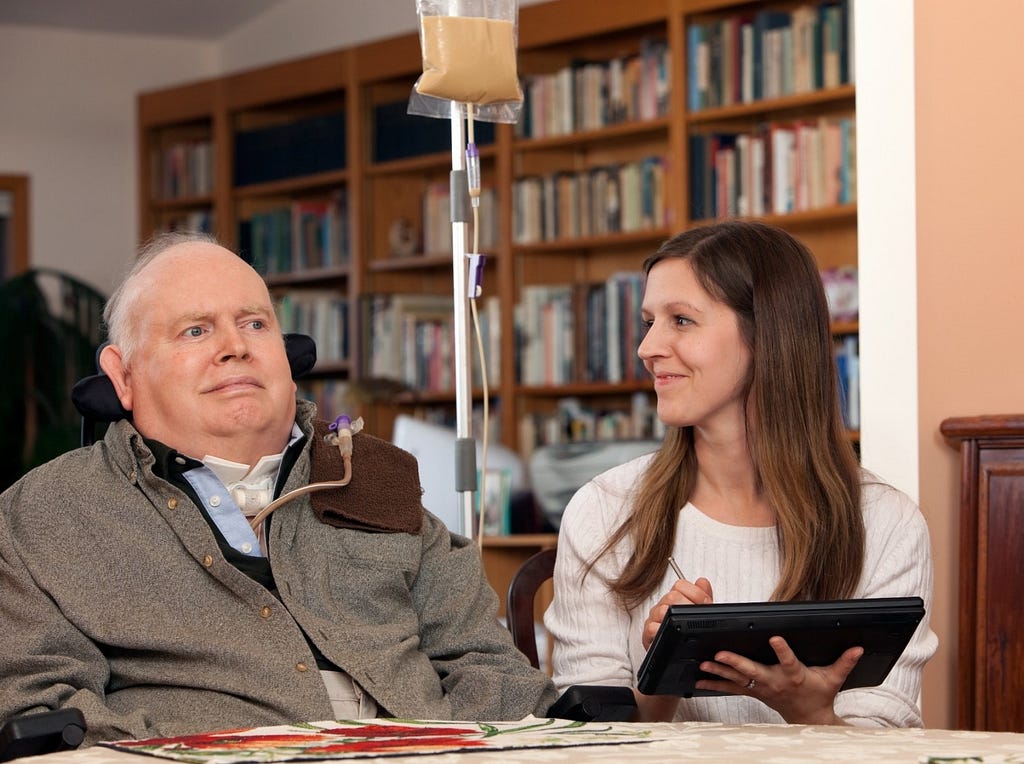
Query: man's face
[{"x": 210, "y": 375}]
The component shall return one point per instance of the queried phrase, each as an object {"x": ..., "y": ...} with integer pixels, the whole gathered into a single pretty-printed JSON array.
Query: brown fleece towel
[{"x": 384, "y": 494}]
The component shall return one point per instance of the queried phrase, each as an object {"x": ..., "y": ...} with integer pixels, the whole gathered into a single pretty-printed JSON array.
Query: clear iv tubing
[
  {"x": 473, "y": 178},
  {"x": 341, "y": 433},
  {"x": 473, "y": 181}
]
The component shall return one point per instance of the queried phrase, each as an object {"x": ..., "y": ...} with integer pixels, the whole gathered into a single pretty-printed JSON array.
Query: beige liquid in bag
[{"x": 469, "y": 59}]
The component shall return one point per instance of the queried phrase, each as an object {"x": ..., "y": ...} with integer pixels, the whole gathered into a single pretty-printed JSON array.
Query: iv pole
[
  {"x": 465, "y": 444},
  {"x": 462, "y": 207}
]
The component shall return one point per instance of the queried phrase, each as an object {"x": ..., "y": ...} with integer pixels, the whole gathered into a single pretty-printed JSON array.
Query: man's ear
[{"x": 112, "y": 363}]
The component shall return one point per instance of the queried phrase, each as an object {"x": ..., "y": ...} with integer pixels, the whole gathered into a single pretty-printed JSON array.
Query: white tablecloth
[{"x": 778, "y": 744}]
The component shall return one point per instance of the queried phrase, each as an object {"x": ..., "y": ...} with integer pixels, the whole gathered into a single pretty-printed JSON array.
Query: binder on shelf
[
  {"x": 400, "y": 135},
  {"x": 304, "y": 147}
]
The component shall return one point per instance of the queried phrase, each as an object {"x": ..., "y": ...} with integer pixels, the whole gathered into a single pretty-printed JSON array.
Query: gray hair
[{"x": 119, "y": 314}]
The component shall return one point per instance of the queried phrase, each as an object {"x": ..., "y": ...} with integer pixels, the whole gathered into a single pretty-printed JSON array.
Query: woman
[{"x": 756, "y": 492}]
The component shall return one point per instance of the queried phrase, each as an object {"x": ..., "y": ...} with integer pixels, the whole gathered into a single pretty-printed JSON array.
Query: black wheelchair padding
[{"x": 46, "y": 732}]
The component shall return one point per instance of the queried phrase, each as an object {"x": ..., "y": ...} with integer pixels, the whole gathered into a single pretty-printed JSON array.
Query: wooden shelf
[
  {"x": 839, "y": 214},
  {"x": 582, "y": 138},
  {"x": 314, "y": 276},
  {"x": 292, "y": 185},
  {"x": 832, "y": 97},
  {"x": 413, "y": 263},
  {"x": 612, "y": 241},
  {"x": 437, "y": 160},
  {"x": 584, "y": 389},
  {"x": 532, "y": 540}
]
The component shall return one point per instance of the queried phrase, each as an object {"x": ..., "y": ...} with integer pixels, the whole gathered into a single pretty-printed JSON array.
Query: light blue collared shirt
[{"x": 223, "y": 510}]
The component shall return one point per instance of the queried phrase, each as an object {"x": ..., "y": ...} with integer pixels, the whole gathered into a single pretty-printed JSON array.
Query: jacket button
[
  {"x": 265, "y": 611},
  {"x": 302, "y": 668},
  {"x": 172, "y": 503},
  {"x": 208, "y": 560}
]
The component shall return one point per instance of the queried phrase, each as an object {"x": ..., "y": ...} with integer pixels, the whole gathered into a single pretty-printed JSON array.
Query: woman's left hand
[{"x": 801, "y": 694}]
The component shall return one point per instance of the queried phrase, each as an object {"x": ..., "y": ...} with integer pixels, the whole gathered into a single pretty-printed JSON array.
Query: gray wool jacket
[{"x": 115, "y": 599}]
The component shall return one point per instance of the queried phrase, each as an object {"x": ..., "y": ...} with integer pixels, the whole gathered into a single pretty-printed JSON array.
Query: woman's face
[{"x": 694, "y": 350}]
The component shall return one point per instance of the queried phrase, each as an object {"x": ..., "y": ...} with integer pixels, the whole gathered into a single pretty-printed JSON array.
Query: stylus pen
[{"x": 675, "y": 568}]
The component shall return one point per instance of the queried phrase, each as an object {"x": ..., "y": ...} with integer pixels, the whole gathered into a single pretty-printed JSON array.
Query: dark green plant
[{"x": 50, "y": 329}]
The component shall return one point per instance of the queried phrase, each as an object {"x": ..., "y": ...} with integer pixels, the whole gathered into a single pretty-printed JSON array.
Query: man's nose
[{"x": 233, "y": 345}]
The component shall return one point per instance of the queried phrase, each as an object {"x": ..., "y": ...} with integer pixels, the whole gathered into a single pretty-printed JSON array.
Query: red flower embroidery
[
  {"x": 363, "y": 737},
  {"x": 410, "y": 744}
]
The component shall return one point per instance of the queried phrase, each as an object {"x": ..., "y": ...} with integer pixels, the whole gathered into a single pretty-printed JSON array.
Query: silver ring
[{"x": 751, "y": 684}]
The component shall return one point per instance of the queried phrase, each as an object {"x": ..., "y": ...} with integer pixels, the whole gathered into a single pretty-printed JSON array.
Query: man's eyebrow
[
  {"x": 260, "y": 310},
  {"x": 253, "y": 308},
  {"x": 183, "y": 318}
]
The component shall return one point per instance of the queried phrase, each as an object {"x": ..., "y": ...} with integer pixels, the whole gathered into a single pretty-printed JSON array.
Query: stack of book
[{"x": 580, "y": 332}]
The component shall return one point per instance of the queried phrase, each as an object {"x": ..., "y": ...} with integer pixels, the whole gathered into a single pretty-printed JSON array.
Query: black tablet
[{"x": 818, "y": 632}]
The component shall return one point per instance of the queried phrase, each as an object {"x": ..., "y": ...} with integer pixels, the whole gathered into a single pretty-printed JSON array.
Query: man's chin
[{"x": 245, "y": 421}]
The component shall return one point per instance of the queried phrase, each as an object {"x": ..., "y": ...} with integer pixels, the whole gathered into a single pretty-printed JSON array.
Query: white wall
[
  {"x": 887, "y": 240},
  {"x": 67, "y": 120}
]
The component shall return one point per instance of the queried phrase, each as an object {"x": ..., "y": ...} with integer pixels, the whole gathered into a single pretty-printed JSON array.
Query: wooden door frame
[{"x": 17, "y": 186}]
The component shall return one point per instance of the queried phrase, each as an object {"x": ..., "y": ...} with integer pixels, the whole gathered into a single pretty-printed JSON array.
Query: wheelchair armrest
[
  {"x": 45, "y": 732},
  {"x": 594, "y": 703}
]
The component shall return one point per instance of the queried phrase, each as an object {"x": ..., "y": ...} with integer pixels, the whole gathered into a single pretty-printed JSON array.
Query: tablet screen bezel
[{"x": 818, "y": 632}]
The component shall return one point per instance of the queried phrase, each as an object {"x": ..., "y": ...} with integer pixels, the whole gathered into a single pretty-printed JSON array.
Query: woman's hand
[
  {"x": 801, "y": 694},
  {"x": 662, "y": 708},
  {"x": 682, "y": 592}
]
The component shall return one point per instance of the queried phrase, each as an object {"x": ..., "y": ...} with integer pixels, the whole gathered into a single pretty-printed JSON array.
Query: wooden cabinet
[{"x": 990, "y": 684}]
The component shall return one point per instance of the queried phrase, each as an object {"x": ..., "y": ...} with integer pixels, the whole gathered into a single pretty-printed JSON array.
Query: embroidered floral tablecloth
[
  {"x": 536, "y": 741},
  {"x": 354, "y": 739}
]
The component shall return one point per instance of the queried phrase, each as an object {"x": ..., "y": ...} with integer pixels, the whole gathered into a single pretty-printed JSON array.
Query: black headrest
[{"x": 95, "y": 399}]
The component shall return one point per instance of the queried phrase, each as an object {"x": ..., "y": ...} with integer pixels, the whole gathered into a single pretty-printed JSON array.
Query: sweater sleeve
[
  {"x": 898, "y": 563},
  {"x": 588, "y": 627},
  {"x": 47, "y": 663},
  {"x": 482, "y": 674}
]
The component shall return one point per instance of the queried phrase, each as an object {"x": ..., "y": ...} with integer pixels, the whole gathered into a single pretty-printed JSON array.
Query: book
[
  {"x": 783, "y": 168},
  {"x": 765, "y": 22}
]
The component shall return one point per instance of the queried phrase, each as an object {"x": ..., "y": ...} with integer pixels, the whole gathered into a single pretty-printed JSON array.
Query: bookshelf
[
  {"x": 179, "y": 139},
  {"x": 593, "y": 195},
  {"x": 291, "y": 194},
  {"x": 673, "y": 131},
  {"x": 756, "y": 130}
]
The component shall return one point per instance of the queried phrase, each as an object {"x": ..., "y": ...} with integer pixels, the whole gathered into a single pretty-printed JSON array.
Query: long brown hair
[{"x": 804, "y": 462}]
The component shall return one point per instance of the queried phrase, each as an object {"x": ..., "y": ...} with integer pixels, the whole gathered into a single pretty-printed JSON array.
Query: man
[{"x": 133, "y": 588}]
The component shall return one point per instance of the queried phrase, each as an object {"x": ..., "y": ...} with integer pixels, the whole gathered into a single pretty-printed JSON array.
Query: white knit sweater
[{"x": 597, "y": 642}]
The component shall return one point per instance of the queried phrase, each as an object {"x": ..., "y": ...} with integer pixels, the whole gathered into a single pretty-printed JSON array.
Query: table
[{"x": 781, "y": 744}]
